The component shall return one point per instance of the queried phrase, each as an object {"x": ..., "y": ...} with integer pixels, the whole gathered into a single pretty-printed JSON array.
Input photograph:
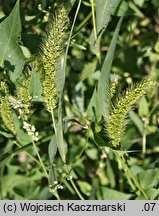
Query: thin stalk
[
  {"x": 42, "y": 165},
  {"x": 54, "y": 126},
  {"x": 73, "y": 184},
  {"x": 76, "y": 189},
  {"x": 95, "y": 185},
  {"x": 131, "y": 174},
  {"x": 130, "y": 182},
  {"x": 120, "y": 176},
  {"x": 55, "y": 193},
  {"x": 68, "y": 186},
  {"x": 83, "y": 23},
  {"x": 144, "y": 139},
  {"x": 70, "y": 35},
  {"x": 93, "y": 20},
  {"x": 154, "y": 107},
  {"x": 145, "y": 120},
  {"x": 53, "y": 121}
]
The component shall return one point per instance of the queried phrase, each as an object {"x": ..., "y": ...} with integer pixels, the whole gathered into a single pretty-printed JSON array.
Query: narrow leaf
[
  {"x": 137, "y": 121},
  {"x": 104, "y": 10},
  {"x": 104, "y": 80},
  {"x": 52, "y": 148},
  {"x": 61, "y": 143}
]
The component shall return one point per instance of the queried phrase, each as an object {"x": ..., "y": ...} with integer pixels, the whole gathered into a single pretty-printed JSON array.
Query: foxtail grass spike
[
  {"x": 115, "y": 123},
  {"x": 6, "y": 110},
  {"x": 113, "y": 89},
  {"x": 24, "y": 96},
  {"x": 52, "y": 48}
]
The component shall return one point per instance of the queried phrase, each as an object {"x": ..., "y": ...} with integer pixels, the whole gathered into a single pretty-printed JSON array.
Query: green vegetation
[{"x": 79, "y": 99}]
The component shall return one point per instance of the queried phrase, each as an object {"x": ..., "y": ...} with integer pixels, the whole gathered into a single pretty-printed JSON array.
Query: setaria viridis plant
[{"x": 46, "y": 65}]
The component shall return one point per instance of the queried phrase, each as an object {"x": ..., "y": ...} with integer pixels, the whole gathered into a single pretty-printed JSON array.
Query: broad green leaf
[
  {"x": 92, "y": 153},
  {"x": 104, "y": 80},
  {"x": 12, "y": 180},
  {"x": 149, "y": 178},
  {"x": 152, "y": 193},
  {"x": 143, "y": 107},
  {"x": 11, "y": 55},
  {"x": 104, "y": 193},
  {"x": 52, "y": 148},
  {"x": 35, "y": 87},
  {"x": 22, "y": 137},
  {"x": 20, "y": 186},
  {"x": 85, "y": 187}
]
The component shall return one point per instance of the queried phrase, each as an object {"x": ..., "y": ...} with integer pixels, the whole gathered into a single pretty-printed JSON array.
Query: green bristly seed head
[
  {"x": 6, "y": 109},
  {"x": 23, "y": 95},
  {"x": 116, "y": 121},
  {"x": 52, "y": 48},
  {"x": 7, "y": 114},
  {"x": 113, "y": 89}
]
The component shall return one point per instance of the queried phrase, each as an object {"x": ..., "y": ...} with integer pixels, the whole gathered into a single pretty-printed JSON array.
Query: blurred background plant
[{"x": 86, "y": 165}]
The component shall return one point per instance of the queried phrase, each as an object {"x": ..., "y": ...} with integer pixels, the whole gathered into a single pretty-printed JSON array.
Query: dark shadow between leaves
[{"x": 9, "y": 66}]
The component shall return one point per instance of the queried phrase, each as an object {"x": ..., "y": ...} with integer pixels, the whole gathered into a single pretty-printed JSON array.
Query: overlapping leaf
[{"x": 11, "y": 56}]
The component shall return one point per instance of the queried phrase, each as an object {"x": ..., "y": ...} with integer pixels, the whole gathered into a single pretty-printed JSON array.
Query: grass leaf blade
[{"x": 104, "y": 80}]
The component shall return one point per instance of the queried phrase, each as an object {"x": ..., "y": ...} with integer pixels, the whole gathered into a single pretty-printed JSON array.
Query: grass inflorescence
[
  {"x": 115, "y": 123},
  {"x": 52, "y": 47}
]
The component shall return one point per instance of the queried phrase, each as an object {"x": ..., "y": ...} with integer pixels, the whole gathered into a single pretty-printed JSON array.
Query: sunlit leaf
[
  {"x": 11, "y": 55},
  {"x": 104, "y": 80},
  {"x": 105, "y": 193}
]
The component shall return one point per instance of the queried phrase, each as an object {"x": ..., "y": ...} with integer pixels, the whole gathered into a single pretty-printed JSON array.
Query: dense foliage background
[{"x": 91, "y": 168}]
